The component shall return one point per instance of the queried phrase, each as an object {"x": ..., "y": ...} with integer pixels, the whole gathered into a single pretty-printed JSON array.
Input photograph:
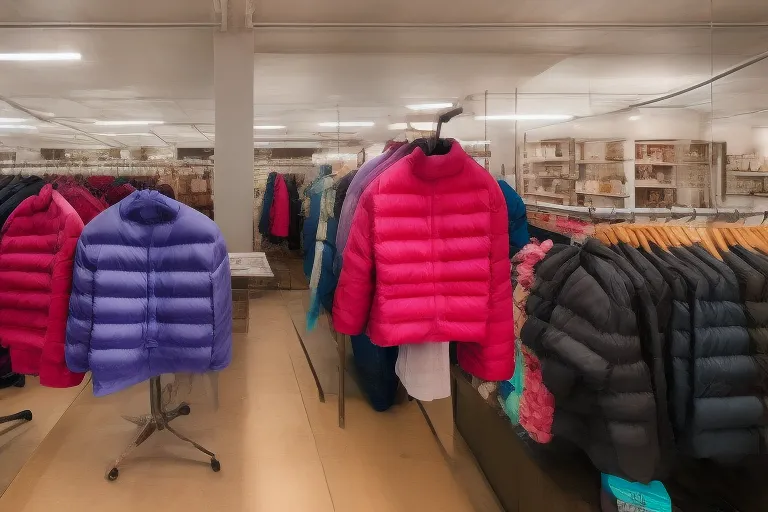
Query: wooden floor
[{"x": 279, "y": 447}]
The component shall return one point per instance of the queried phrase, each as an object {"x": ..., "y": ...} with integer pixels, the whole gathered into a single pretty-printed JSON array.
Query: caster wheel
[
  {"x": 113, "y": 474},
  {"x": 215, "y": 465},
  {"x": 184, "y": 410}
]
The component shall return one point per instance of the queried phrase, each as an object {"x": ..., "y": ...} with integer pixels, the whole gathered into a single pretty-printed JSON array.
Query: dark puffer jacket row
[{"x": 653, "y": 356}]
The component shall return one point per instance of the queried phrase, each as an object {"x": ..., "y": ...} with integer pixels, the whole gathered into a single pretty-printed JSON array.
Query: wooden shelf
[
  {"x": 549, "y": 194},
  {"x": 658, "y": 164},
  {"x": 748, "y": 174},
  {"x": 603, "y": 194},
  {"x": 535, "y": 176},
  {"x": 558, "y": 159},
  {"x": 580, "y": 162},
  {"x": 655, "y": 185}
]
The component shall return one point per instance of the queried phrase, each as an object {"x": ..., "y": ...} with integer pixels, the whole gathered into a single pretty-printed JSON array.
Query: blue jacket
[
  {"x": 518, "y": 222},
  {"x": 151, "y": 294}
]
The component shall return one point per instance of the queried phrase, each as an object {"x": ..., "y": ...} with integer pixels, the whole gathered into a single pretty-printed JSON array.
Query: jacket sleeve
[
  {"x": 53, "y": 368},
  {"x": 80, "y": 321},
  {"x": 221, "y": 282},
  {"x": 354, "y": 293},
  {"x": 494, "y": 357}
]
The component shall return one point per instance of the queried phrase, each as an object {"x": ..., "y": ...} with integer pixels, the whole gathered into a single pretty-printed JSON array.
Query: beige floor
[
  {"x": 47, "y": 406},
  {"x": 280, "y": 448}
]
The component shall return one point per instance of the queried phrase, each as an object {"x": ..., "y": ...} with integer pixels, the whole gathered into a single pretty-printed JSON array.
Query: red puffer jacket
[
  {"x": 428, "y": 260},
  {"x": 36, "y": 256}
]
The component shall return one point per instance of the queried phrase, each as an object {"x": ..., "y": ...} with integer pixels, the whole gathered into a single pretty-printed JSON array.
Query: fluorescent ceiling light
[
  {"x": 268, "y": 127},
  {"x": 19, "y": 126},
  {"x": 429, "y": 106},
  {"x": 634, "y": 118},
  {"x": 424, "y": 127},
  {"x": 525, "y": 117},
  {"x": 6, "y": 120},
  {"x": 474, "y": 142},
  {"x": 398, "y": 126},
  {"x": 127, "y": 123},
  {"x": 139, "y": 134},
  {"x": 27, "y": 57},
  {"x": 348, "y": 124}
]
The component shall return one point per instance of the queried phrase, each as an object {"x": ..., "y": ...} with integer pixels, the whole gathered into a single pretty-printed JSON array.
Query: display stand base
[{"x": 157, "y": 419}]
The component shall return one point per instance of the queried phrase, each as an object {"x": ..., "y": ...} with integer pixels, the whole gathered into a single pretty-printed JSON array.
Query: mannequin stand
[
  {"x": 157, "y": 419},
  {"x": 20, "y": 417}
]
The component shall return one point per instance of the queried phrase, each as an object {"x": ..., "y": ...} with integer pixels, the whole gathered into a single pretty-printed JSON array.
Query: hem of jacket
[{"x": 481, "y": 371}]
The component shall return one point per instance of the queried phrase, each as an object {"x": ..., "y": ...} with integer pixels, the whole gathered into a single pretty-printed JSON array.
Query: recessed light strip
[
  {"x": 127, "y": 123},
  {"x": 525, "y": 117},
  {"x": 429, "y": 106},
  {"x": 347, "y": 124},
  {"x": 268, "y": 127},
  {"x": 38, "y": 57}
]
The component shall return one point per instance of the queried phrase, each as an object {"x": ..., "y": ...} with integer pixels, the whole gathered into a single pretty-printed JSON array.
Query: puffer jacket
[
  {"x": 12, "y": 196},
  {"x": 428, "y": 260},
  {"x": 518, "y": 220},
  {"x": 151, "y": 294},
  {"x": 723, "y": 415},
  {"x": 586, "y": 314},
  {"x": 36, "y": 252},
  {"x": 85, "y": 204}
]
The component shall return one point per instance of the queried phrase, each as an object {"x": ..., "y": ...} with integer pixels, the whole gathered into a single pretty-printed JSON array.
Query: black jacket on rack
[
  {"x": 589, "y": 311},
  {"x": 12, "y": 196}
]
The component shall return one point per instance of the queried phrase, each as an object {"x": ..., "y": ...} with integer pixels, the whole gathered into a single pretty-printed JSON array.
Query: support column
[{"x": 233, "y": 171}]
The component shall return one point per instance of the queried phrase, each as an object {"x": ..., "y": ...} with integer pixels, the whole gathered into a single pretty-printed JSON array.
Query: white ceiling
[{"x": 303, "y": 77}]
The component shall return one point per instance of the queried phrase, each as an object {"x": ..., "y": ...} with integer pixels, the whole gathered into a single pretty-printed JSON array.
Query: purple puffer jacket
[{"x": 151, "y": 294}]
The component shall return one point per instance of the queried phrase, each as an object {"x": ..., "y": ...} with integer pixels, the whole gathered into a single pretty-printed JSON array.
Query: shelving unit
[
  {"x": 602, "y": 167},
  {"x": 549, "y": 170},
  {"x": 672, "y": 173},
  {"x": 746, "y": 175}
]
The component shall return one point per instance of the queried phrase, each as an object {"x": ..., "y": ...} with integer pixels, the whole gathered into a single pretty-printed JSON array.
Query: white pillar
[{"x": 233, "y": 174}]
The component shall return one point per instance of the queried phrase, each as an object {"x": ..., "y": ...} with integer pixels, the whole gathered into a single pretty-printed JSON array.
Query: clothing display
[
  {"x": 36, "y": 252},
  {"x": 652, "y": 352},
  {"x": 364, "y": 177},
  {"x": 518, "y": 223},
  {"x": 295, "y": 214},
  {"x": 425, "y": 370},
  {"x": 279, "y": 214},
  {"x": 85, "y": 204},
  {"x": 428, "y": 260},
  {"x": 13, "y": 195},
  {"x": 151, "y": 294},
  {"x": 324, "y": 249},
  {"x": 266, "y": 207}
]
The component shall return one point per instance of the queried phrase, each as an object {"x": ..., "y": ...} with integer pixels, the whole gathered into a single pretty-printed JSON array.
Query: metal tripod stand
[{"x": 157, "y": 419}]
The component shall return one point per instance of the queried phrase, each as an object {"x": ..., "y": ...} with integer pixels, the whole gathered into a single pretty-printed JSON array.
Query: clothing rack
[
  {"x": 157, "y": 419},
  {"x": 585, "y": 212},
  {"x": 341, "y": 339},
  {"x": 117, "y": 167}
]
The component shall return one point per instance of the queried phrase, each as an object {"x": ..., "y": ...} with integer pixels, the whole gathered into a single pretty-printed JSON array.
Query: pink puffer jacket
[{"x": 428, "y": 260}]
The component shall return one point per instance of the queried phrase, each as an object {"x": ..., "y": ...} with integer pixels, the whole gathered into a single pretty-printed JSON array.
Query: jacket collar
[
  {"x": 438, "y": 166},
  {"x": 149, "y": 207}
]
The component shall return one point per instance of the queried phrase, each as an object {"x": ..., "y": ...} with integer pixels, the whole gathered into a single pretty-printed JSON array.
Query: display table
[{"x": 246, "y": 268}]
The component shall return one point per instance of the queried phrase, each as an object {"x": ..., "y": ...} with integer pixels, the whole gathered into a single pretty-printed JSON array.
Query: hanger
[
  {"x": 436, "y": 146},
  {"x": 707, "y": 242},
  {"x": 740, "y": 239},
  {"x": 750, "y": 237},
  {"x": 717, "y": 236},
  {"x": 643, "y": 241}
]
